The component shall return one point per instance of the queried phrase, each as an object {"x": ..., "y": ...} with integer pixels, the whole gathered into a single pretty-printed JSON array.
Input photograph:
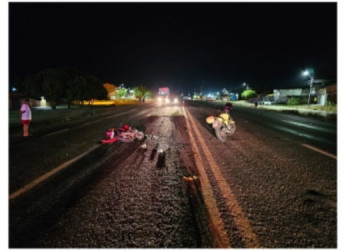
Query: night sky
[{"x": 186, "y": 46}]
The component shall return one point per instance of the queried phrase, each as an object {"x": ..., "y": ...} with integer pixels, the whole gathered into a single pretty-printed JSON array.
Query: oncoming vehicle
[
  {"x": 165, "y": 98},
  {"x": 168, "y": 100}
]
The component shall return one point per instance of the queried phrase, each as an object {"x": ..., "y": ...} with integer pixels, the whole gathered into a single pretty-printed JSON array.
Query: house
[
  {"x": 283, "y": 95},
  {"x": 317, "y": 94},
  {"x": 111, "y": 90},
  {"x": 327, "y": 95}
]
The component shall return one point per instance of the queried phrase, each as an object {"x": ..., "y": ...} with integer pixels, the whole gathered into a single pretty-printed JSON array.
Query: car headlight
[
  {"x": 176, "y": 100},
  {"x": 167, "y": 100},
  {"x": 159, "y": 99}
]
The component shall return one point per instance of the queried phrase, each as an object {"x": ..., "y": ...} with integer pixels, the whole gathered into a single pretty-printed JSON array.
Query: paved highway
[{"x": 273, "y": 184}]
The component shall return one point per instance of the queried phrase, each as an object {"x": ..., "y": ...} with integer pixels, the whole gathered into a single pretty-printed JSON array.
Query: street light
[
  {"x": 309, "y": 73},
  {"x": 245, "y": 85}
]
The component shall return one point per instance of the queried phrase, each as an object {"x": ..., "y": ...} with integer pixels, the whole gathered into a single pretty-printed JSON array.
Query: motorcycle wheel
[
  {"x": 140, "y": 135},
  {"x": 125, "y": 138},
  {"x": 231, "y": 131},
  {"x": 220, "y": 134}
]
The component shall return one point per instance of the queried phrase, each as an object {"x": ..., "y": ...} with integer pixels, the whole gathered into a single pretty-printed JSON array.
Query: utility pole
[{"x": 309, "y": 73}]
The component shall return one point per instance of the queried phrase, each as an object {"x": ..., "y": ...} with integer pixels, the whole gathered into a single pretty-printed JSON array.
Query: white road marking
[
  {"x": 320, "y": 151},
  {"x": 295, "y": 132},
  {"x": 62, "y": 166},
  {"x": 49, "y": 174},
  {"x": 305, "y": 125},
  {"x": 57, "y": 132}
]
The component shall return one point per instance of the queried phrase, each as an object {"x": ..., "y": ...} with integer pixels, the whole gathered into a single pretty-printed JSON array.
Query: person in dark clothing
[{"x": 256, "y": 102}]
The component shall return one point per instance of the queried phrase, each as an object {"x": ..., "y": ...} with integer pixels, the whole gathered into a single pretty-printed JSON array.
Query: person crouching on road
[{"x": 26, "y": 117}]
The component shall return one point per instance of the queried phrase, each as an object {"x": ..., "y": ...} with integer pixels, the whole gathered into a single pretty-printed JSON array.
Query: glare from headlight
[
  {"x": 167, "y": 100},
  {"x": 176, "y": 100},
  {"x": 159, "y": 99}
]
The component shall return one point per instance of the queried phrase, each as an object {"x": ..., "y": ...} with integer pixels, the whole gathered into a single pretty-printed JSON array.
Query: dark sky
[{"x": 180, "y": 45}]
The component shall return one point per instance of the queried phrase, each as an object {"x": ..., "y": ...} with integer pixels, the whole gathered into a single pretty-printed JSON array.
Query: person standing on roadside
[
  {"x": 26, "y": 117},
  {"x": 256, "y": 102}
]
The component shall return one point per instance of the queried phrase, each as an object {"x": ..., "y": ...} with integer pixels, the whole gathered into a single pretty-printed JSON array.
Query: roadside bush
[
  {"x": 331, "y": 104},
  {"x": 293, "y": 101}
]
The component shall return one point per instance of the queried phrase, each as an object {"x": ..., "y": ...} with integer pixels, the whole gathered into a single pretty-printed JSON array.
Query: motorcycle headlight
[{"x": 210, "y": 119}]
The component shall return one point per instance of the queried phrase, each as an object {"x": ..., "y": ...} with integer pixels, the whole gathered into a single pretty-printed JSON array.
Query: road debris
[
  {"x": 124, "y": 133},
  {"x": 190, "y": 178}
]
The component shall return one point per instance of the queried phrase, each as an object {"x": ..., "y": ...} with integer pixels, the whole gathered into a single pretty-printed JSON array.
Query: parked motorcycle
[{"x": 223, "y": 125}]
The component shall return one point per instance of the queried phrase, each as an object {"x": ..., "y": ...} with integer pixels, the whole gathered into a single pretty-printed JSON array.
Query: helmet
[
  {"x": 210, "y": 119},
  {"x": 228, "y": 105}
]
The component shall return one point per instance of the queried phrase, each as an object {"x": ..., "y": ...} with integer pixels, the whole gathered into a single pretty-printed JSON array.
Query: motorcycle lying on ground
[
  {"x": 223, "y": 125},
  {"x": 124, "y": 134}
]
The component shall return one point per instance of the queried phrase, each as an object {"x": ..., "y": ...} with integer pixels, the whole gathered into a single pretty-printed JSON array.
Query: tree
[
  {"x": 72, "y": 86},
  {"x": 248, "y": 93},
  {"x": 49, "y": 83},
  {"x": 121, "y": 92},
  {"x": 59, "y": 85},
  {"x": 89, "y": 87},
  {"x": 31, "y": 86},
  {"x": 141, "y": 92}
]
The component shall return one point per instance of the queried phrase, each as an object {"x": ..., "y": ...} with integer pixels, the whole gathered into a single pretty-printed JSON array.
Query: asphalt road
[
  {"x": 313, "y": 130},
  {"x": 273, "y": 184},
  {"x": 283, "y": 182}
]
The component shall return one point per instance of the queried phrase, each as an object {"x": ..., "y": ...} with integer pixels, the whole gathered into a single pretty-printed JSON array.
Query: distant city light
[{"x": 14, "y": 89}]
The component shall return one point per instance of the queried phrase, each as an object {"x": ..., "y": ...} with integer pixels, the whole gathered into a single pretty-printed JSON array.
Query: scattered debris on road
[{"x": 124, "y": 133}]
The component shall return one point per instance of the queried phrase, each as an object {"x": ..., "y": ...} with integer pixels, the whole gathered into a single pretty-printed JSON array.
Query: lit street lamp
[
  {"x": 309, "y": 73},
  {"x": 245, "y": 85}
]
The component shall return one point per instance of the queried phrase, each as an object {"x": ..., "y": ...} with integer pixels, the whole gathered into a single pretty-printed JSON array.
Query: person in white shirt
[{"x": 26, "y": 117}]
